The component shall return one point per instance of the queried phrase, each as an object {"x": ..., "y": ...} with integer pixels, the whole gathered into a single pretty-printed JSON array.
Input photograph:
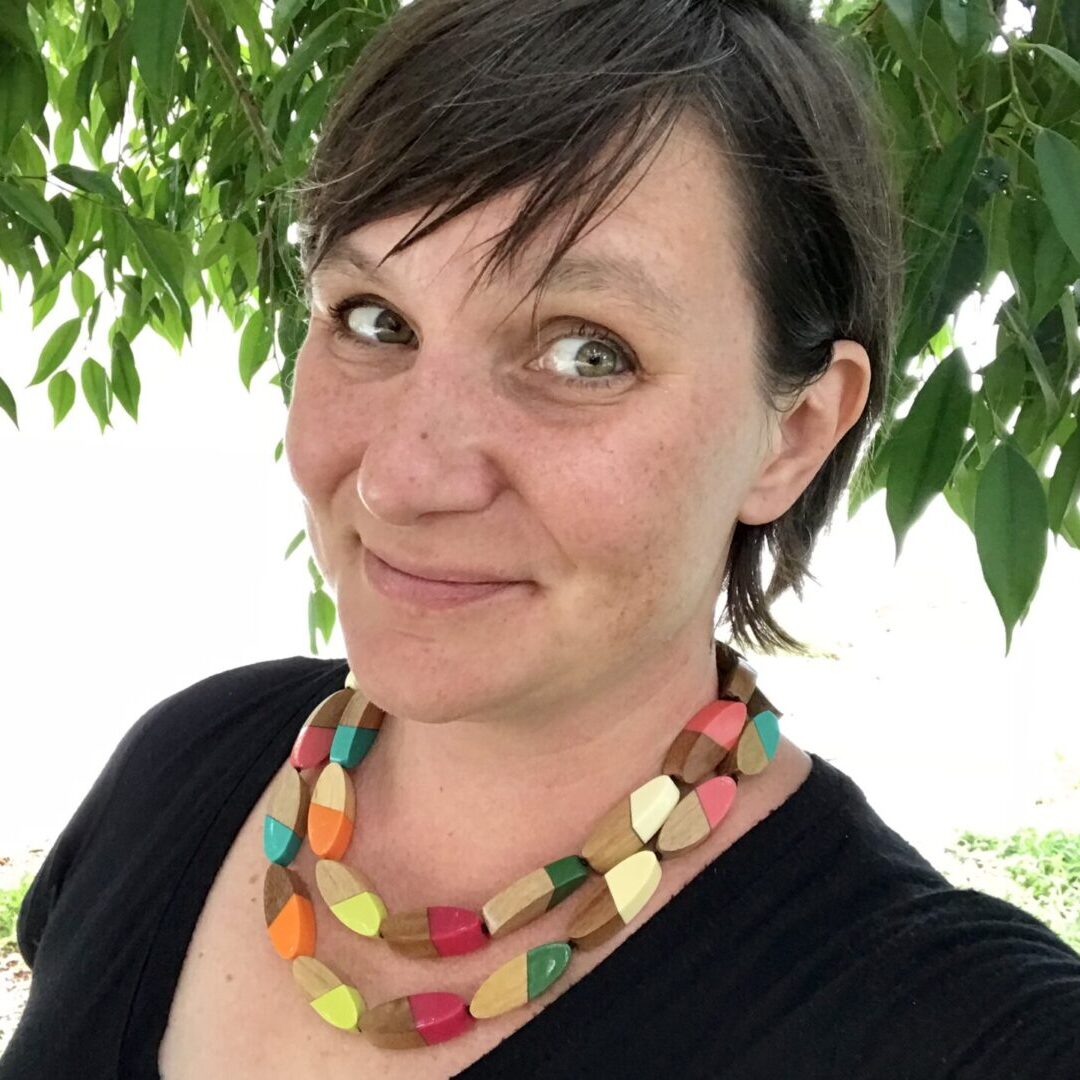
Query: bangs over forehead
[{"x": 566, "y": 106}]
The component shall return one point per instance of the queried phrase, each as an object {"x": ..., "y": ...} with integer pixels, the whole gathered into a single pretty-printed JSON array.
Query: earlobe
[{"x": 807, "y": 432}]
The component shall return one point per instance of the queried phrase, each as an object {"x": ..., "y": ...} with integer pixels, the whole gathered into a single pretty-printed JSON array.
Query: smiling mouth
[{"x": 396, "y": 584}]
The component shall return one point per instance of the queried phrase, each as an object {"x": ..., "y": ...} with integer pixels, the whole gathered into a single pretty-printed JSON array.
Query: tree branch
[{"x": 243, "y": 94}]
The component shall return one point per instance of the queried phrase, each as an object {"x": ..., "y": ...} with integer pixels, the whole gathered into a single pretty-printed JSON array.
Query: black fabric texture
[{"x": 820, "y": 945}]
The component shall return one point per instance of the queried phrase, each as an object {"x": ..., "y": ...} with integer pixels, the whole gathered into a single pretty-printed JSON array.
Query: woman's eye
[
  {"x": 589, "y": 356},
  {"x": 367, "y": 319}
]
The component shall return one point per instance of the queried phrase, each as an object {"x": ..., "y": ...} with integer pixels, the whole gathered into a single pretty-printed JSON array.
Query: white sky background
[{"x": 135, "y": 563}]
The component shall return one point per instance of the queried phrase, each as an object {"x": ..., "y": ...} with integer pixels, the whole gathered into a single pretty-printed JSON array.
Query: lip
[
  {"x": 448, "y": 575},
  {"x": 399, "y": 584}
]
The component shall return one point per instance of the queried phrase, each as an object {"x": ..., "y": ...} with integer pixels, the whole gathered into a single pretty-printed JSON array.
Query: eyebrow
[{"x": 608, "y": 275}]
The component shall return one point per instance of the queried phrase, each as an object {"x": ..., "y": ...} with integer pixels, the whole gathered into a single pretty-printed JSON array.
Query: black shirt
[{"x": 821, "y": 944}]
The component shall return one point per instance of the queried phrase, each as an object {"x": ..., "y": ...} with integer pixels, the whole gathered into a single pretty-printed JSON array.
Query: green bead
[
  {"x": 351, "y": 744},
  {"x": 566, "y": 875},
  {"x": 544, "y": 964}
]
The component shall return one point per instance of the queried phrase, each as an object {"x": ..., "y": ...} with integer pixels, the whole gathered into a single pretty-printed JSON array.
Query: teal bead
[
  {"x": 351, "y": 744},
  {"x": 768, "y": 729},
  {"x": 280, "y": 843}
]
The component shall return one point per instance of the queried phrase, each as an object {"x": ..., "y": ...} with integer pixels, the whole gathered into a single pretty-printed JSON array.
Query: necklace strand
[{"x": 666, "y": 817}]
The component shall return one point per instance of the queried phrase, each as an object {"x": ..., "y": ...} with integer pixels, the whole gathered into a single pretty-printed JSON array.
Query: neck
[{"x": 457, "y": 810}]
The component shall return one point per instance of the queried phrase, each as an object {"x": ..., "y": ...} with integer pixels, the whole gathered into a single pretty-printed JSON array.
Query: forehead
[{"x": 667, "y": 238}]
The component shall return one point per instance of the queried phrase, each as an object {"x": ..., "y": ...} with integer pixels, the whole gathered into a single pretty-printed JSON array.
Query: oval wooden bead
[
  {"x": 350, "y": 897},
  {"x": 290, "y": 918},
  {"x": 520, "y": 980},
  {"x": 355, "y": 732},
  {"x": 331, "y": 813},
  {"x": 699, "y": 812},
  {"x": 532, "y": 895},
  {"x": 739, "y": 681},
  {"x": 628, "y": 887},
  {"x": 630, "y": 823},
  {"x": 313, "y": 741},
  {"x": 435, "y": 931},
  {"x": 758, "y": 743},
  {"x": 350, "y": 680},
  {"x": 708, "y": 737},
  {"x": 286, "y": 817},
  {"x": 335, "y": 1001},
  {"x": 416, "y": 1020}
]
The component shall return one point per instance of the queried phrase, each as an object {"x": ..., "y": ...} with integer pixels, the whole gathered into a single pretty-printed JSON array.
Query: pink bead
[
  {"x": 716, "y": 796},
  {"x": 455, "y": 931},
  {"x": 721, "y": 721},
  {"x": 439, "y": 1016},
  {"x": 312, "y": 746}
]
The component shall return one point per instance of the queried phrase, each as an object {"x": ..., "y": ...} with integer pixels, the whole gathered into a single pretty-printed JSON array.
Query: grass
[
  {"x": 10, "y": 899},
  {"x": 1039, "y": 872}
]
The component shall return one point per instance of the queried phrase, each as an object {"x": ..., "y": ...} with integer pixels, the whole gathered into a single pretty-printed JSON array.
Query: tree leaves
[
  {"x": 155, "y": 36},
  {"x": 927, "y": 445},
  {"x": 1058, "y": 162},
  {"x": 1010, "y": 532},
  {"x": 95, "y": 384},
  {"x": 56, "y": 349},
  {"x": 27, "y": 204},
  {"x": 254, "y": 347},
  {"x": 124, "y": 377},
  {"x": 61, "y": 395},
  {"x": 1065, "y": 483}
]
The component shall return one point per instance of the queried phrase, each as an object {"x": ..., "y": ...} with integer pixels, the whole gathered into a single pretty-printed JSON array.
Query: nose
[{"x": 429, "y": 449}]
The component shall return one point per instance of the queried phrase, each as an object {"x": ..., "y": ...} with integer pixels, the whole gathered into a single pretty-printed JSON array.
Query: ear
[{"x": 805, "y": 433}]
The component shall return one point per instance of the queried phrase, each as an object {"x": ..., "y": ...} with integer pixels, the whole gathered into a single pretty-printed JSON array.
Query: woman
[{"x": 528, "y": 512}]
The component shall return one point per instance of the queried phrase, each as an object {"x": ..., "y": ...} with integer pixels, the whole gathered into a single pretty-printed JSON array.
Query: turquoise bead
[
  {"x": 351, "y": 744},
  {"x": 768, "y": 729},
  {"x": 280, "y": 843}
]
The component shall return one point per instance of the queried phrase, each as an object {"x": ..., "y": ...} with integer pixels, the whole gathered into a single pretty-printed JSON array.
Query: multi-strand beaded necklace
[{"x": 665, "y": 817}]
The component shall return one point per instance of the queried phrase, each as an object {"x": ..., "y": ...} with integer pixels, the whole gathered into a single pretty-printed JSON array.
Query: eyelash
[{"x": 339, "y": 314}]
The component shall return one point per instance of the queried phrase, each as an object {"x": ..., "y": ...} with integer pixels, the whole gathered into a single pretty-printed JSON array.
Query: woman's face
[{"x": 601, "y": 455}]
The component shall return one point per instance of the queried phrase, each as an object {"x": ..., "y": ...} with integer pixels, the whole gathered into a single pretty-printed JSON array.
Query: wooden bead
[
  {"x": 286, "y": 817},
  {"x": 350, "y": 680},
  {"x": 699, "y": 812},
  {"x": 628, "y": 887},
  {"x": 435, "y": 931},
  {"x": 335, "y": 1001},
  {"x": 520, "y": 980},
  {"x": 290, "y": 918},
  {"x": 355, "y": 733},
  {"x": 331, "y": 813},
  {"x": 532, "y": 895},
  {"x": 313, "y": 741},
  {"x": 416, "y": 1020},
  {"x": 757, "y": 745},
  {"x": 350, "y": 897},
  {"x": 739, "y": 681},
  {"x": 630, "y": 823},
  {"x": 708, "y": 737}
]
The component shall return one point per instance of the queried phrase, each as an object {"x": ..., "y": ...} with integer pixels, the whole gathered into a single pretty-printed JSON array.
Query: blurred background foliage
[{"x": 149, "y": 148}]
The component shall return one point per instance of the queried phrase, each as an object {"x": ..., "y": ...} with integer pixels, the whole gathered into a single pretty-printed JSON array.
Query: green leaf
[
  {"x": 910, "y": 15},
  {"x": 970, "y": 23},
  {"x": 155, "y": 35},
  {"x": 163, "y": 255},
  {"x": 931, "y": 237},
  {"x": 313, "y": 49},
  {"x": 90, "y": 181},
  {"x": 23, "y": 93},
  {"x": 7, "y": 402},
  {"x": 1065, "y": 483},
  {"x": 295, "y": 542},
  {"x": 15, "y": 26},
  {"x": 1063, "y": 60},
  {"x": 124, "y": 376},
  {"x": 82, "y": 291},
  {"x": 1058, "y": 162},
  {"x": 927, "y": 444},
  {"x": 254, "y": 347},
  {"x": 321, "y": 615},
  {"x": 1011, "y": 523},
  {"x": 277, "y": 453},
  {"x": 43, "y": 305},
  {"x": 62, "y": 395},
  {"x": 27, "y": 204},
  {"x": 56, "y": 350},
  {"x": 95, "y": 384}
]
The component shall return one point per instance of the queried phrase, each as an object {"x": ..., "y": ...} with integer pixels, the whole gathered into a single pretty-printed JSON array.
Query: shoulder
[{"x": 192, "y": 730}]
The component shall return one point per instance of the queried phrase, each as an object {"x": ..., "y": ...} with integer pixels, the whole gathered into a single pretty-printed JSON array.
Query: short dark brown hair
[{"x": 455, "y": 101}]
